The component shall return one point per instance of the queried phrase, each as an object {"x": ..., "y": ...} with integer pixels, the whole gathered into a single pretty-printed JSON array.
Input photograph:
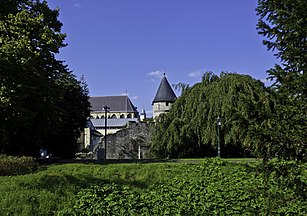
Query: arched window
[
  {"x": 97, "y": 117},
  {"x": 102, "y": 116},
  {"x": 122, "y": 116},
  {"x": 113, "y": 116},
  {"x": 129, "y": 115}
]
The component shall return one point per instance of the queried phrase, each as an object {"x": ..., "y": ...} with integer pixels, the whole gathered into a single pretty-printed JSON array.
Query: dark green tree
[
  {"x": 41, "y": 102},
  {"x": 284, "y": 24},
  {"x": 189, "y": 129}
]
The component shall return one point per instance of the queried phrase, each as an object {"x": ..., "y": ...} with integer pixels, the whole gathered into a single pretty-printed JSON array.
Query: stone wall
[
  {"x": 161, "y": 107},
  {"x": 132, "y": 142}
]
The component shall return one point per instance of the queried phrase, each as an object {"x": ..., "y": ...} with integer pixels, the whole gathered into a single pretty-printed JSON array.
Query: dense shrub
[{"x": 10, "y": 165}]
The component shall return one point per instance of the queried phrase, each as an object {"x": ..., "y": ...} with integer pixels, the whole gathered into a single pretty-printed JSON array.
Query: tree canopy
[
  {"x": 270, "y": 122},
  {"x": 284, "y": 25},
  {"x": 42, "y": 104},
  {"x": 189, "y": 129}
]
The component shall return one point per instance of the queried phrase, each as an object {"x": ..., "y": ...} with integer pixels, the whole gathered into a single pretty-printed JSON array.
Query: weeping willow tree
[{"x": 190, "y": 129}]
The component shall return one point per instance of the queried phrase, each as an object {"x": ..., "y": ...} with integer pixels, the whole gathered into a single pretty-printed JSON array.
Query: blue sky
[{"x": 126, "y": 45}]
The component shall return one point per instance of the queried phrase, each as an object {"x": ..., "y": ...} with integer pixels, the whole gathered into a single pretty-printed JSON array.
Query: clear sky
[{"x": 126, "y": 45}]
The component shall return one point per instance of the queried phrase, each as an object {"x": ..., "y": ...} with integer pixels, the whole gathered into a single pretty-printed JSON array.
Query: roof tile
[
  {"x": 116, "y": 104},
  {"x": 165, "y": 92}
]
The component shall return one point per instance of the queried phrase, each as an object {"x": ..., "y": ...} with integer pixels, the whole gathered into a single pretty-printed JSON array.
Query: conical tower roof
[{"x": 165, "y": 92}]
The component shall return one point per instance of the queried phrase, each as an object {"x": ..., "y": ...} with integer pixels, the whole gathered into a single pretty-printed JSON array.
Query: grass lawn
[{"x": 55, "y": 187}]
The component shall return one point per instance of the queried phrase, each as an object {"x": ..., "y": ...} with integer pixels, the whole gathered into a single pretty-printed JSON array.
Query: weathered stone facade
[
  {"x": 161, "y": 107},
  {"x": 132, "y": 142}
]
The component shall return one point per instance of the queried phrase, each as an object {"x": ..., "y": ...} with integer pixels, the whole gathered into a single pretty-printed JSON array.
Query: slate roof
[
  {"x": 116, "y": 104},
  {"x": 165, "y": 92},
  {"x": 112, "y": 122}
]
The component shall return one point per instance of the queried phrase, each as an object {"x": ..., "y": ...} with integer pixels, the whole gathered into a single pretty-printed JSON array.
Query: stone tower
[{"x": 164, "y": 98}]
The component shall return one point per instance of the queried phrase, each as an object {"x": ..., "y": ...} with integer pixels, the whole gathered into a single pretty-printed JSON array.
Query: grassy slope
[{"x": 54, "y": 187}]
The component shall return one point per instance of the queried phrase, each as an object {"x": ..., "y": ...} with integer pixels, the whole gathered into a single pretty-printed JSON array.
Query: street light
[
  {"x": 219, "y": 124},
  {"x": 106, "y": 108}
]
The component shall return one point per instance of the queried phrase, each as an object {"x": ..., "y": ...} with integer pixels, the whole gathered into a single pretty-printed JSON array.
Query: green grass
[{"x": 54, "y": 188}]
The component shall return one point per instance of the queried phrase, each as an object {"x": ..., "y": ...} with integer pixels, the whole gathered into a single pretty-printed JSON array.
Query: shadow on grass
[
  {"x": 114, "y": 161},
  {"x": 53, "y": 182},
  {"x": 56, "y": 183}
]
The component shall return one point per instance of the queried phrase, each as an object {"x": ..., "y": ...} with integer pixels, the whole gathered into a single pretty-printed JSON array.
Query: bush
[{"x": 10, "y": 165}]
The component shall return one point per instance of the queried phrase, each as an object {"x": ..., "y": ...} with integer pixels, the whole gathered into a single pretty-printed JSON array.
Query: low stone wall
[{"x": 132, "y": 142}]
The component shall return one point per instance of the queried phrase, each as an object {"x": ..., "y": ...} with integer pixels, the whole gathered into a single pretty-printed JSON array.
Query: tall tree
[
  {"x": 190, "y": 129},
  {"x": 35, "y": 86},
  {"x": 284, "y": 24}
]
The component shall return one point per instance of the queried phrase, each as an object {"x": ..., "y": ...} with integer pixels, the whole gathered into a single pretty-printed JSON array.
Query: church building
[
  {"x": 120, "y": 112},
  {"x": 125, "y": 126},
  {"x": 119, "y": 107}
]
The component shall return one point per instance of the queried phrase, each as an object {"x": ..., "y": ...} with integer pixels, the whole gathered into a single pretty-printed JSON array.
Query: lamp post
[
  {"x": 219, "y": 124},
  {"x": 106, "y": 108}
]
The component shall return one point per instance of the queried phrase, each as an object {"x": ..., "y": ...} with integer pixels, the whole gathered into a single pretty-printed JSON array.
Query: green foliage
[
  {"x": 106, "y": 200},
  {"x": 284, "y": 26},
  {"x": 284, "y": 23},
  {"x": 189, "y": 129},
  {"x": 41, "y": 102},
  {"x": 16, "y": 165},
  {"x": 204, "y": 187},
  {"x": 213, "y": 188}
]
